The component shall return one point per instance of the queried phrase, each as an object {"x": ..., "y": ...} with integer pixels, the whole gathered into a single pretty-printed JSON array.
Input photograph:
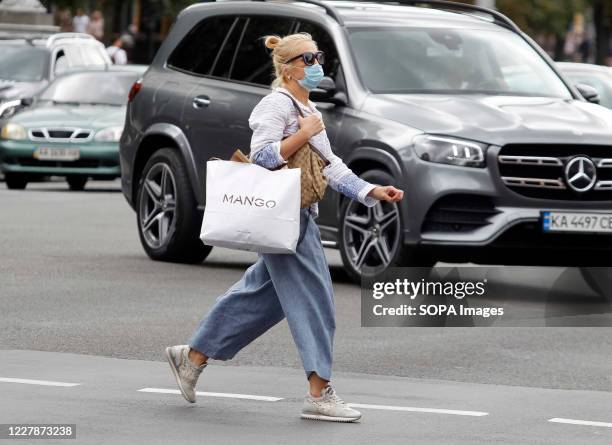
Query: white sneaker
[
  {"x": 185, "y": 372},
  {"x": 328, "y": 407}
]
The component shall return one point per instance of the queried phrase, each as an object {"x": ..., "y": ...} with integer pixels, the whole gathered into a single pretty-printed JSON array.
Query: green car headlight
[
  {"x": 13, "y": 131},
  {"x": 446, "y": 150},
  {"x": 110, "y": 134}
]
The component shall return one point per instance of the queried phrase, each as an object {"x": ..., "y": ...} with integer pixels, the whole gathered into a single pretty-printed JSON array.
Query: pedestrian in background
[
  {"x": 296, "y": 286},
  {"x": 63, "y": 19},
  {"x": 116, "y": 51},
  {"x": 128, "y": 38},
  {"x": 96, "y": 25},
  {"x": 80, "y": 21}
]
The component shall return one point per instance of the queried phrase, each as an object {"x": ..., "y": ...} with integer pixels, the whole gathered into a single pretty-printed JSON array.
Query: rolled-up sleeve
[
  {"x": 342, "y": 179},
  {"x": 268, "y": 120}
]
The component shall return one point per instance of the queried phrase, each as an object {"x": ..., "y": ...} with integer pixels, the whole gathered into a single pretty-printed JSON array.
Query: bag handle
[{"x": 299, "y": 110}]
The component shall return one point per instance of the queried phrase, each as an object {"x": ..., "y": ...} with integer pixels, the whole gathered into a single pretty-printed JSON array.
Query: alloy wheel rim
[
  {"x": 371, "y": 234},
  {"x": 158, "y": 205}
]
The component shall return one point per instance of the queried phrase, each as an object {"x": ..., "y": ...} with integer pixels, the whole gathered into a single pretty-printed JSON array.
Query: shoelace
[{"x": 332, "y": 395}]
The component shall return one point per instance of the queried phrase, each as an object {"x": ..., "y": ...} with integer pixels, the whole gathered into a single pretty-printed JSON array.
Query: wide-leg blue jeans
[{"x": 297, "y": 286}]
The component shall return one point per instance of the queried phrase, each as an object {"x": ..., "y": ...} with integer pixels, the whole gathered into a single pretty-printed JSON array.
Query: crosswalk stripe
[
  {"x": 36, "y": 382},
  {"x": 580, "y": 422},
  {"x": 214, "y": 394},
  {"x": 421, "y": 410}
]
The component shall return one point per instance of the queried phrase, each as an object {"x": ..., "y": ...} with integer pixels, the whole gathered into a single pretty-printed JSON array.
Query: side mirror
[
  {"x": 27, "y": 101},
  {"x": 588, "y": 92},
  {"x": 7, "y": 109},
  {"x": 326, "y": 92}
]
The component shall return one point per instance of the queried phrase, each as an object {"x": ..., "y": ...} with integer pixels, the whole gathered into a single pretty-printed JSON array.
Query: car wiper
[
  {"x": 100, "y": 103},
  {"x": 67, "y": 102}
]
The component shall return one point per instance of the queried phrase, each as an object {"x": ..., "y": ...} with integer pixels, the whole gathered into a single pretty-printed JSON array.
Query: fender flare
[
  {"x": 382, "y": 156},
  {"x": 178, "y": 136},
  {"x": 376, "y": 154}
]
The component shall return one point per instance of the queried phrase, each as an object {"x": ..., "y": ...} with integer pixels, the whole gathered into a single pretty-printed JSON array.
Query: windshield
[
  {"x": 439, "y": 60},
  {"x": 22, "y": 63},
  {"x": 104, "y": 88}
]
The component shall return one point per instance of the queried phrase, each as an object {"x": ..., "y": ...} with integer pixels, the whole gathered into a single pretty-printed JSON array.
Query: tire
[
  {"x": 15, "y": 181},
  {"x": 76, "y": 182},
  {"x": 599, "y": 279},
  {"x": 375, "y": 259},
  {"x": 180, "y": 221}
]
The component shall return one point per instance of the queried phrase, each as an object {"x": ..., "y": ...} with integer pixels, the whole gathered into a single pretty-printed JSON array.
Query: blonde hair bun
[{"x": 272, "y": 41}]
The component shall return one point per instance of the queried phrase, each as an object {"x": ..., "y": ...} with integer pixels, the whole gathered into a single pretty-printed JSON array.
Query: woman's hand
[
  {"x": 311, "y": 124},
  {"x": 386, "y": 193}
]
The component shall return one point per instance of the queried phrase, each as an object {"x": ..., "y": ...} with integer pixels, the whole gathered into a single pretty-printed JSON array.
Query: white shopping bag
[{"x": 249, "y": 207}]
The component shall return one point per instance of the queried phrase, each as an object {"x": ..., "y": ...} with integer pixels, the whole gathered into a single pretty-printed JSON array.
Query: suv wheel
[
  {"x": 599, "y": 279},
  {"x": 76, "y": 182},
  {"x": 370, "y": 238},
  {"x": 167, "y": 215}
]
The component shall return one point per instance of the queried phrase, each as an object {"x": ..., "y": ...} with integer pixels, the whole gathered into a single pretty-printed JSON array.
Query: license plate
[
  {"x": 57, "y": 154},
  {"x": 577, "y": 222}
]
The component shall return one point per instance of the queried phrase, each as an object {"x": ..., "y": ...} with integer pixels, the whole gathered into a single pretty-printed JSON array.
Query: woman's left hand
[{"x": 386, "y": 193}]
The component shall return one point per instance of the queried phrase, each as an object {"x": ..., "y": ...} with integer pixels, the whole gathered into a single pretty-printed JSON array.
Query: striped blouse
[{"x": 273, "y": 119}]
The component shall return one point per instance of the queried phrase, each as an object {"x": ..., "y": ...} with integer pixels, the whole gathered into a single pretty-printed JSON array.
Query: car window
[
  {"x": 601, "y": 82},
  {"x": 223, "y": 62},
  {"x": 326, "y": 44},
  {"x": 253, "y": 62},
  {"x": 61, "y": 62},
  {"x": 111, "y": 88},
  {"x": 198, "y": 49},
  {"x": 23, "y": 63},
  {"x": 438, "y": 60},
  {"x": 92, "y": 55},
  {"x": 71, "y": 56}
]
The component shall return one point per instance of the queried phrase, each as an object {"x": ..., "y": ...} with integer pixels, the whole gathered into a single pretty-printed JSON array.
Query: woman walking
[{"x": 296, "y": 286}]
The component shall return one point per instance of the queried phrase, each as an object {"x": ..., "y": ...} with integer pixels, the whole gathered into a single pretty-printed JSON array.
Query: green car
[{"x": 72, "y": 129}]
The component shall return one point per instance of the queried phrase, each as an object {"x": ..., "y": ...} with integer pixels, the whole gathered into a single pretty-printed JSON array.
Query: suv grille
[
  {"x": 459, "y": 213},
  {"x": 538, "y": 170}
]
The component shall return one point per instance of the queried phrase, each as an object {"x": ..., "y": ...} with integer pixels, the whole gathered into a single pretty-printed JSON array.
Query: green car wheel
[
  {"x": 76, "y": 182},
  {"x": 15, "y": 181}
]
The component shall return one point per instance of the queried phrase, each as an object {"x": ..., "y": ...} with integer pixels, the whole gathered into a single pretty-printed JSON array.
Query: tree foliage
[{"x": 542, "y": 16}]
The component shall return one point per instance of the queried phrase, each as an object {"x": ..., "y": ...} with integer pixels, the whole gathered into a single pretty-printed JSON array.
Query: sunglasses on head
[{"x": 309, "y": 57}]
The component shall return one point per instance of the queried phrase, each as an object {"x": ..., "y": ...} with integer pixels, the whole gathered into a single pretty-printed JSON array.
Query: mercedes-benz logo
[{"x": 580, "y": 174}]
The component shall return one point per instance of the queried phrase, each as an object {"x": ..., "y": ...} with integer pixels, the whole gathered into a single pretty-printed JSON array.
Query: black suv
[{"x": 500, "y": 157}]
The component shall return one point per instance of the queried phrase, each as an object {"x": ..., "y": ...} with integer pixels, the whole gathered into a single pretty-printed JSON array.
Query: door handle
[{"x": 201, "y": 101}]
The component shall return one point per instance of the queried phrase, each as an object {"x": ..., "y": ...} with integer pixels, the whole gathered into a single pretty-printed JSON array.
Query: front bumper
[{"x": 96, "y": 159}]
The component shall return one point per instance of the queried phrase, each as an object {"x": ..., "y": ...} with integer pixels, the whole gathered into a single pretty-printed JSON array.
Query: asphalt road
[{"x": 75, "y": 280}]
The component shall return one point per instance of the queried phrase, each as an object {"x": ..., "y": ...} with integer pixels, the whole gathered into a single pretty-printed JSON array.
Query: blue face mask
[{"x": 314, "y": 74}]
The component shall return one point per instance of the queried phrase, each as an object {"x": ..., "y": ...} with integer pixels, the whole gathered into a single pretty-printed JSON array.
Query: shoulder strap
[
  {"x": 301, "y": 113},
  {"x": 297, "y": 107}
]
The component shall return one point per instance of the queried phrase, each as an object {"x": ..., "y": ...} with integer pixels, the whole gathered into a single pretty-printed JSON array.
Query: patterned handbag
[{"x": 311, "y": 161}]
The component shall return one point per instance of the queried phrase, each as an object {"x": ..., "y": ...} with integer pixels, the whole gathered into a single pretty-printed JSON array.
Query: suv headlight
[
  {"x": 110, "y": 134},
  {"x": 13, "y": 131},
  {"x": 452, "y": 151}
]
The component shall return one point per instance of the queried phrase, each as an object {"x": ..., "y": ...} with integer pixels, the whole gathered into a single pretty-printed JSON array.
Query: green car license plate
[
  {"x": 57, "y": 154},
  {"x": 579, "y": 222}
]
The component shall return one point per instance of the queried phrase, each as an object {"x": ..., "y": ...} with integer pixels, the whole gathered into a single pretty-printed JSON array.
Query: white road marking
[
  {"x": 36, "y": 382},
  {"x": 214, "y": 394},
  {"x": 356, "y": 405},
  {"x": 580, "y": 422},
  {"x": 421, "y": 410}
]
